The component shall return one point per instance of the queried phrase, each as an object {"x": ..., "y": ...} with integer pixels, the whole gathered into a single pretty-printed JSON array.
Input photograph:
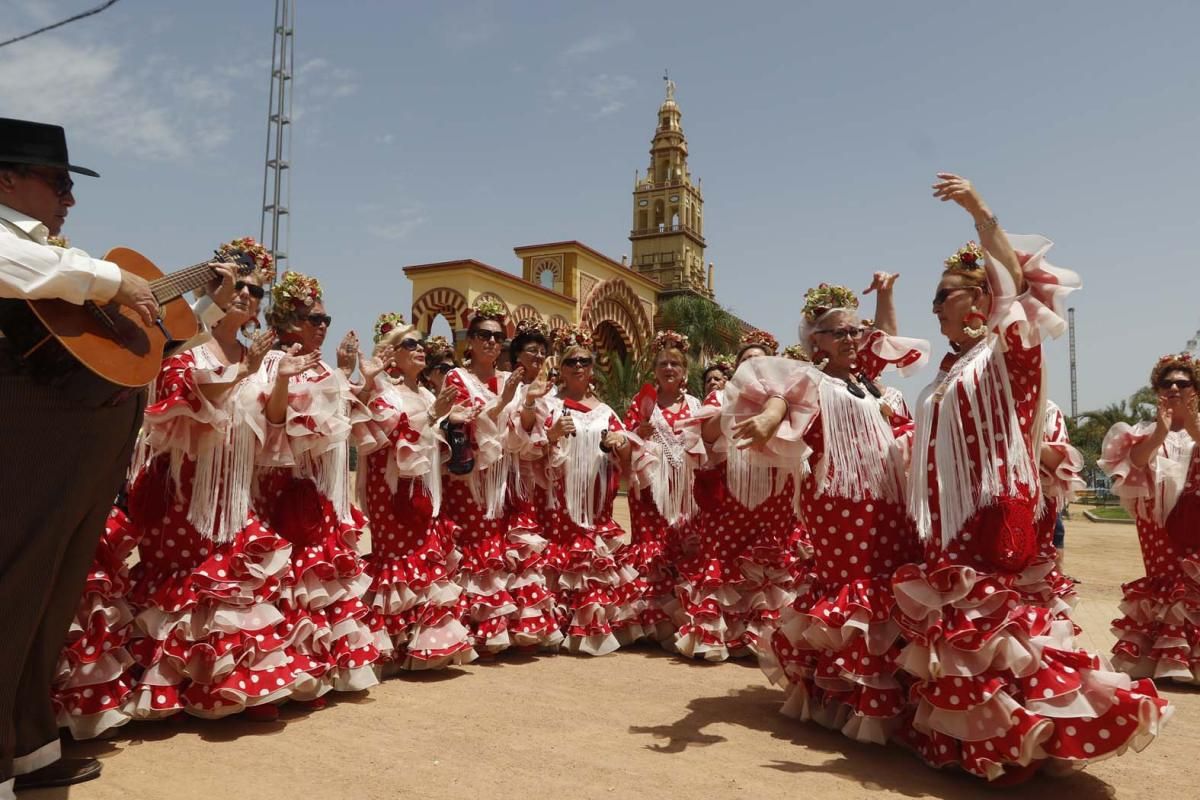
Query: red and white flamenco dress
[
  {"x": 1059, "y": 487},
  {"x": 835, "y": 647},
  {"x": 302, "y": 489},
  {"x": 93, "y": 680},
  {"x": 214, "y": 639},
  {"x": 662, "y": 507},
  {"x": 1159, "y": 630},
  {"x": 999, "y": 684},
  {"x": 594, "y": 581},
  {"x": 741, "y": 568},
  {"x": 532, "y": 571},
  {"x": 413, "y": 563}
]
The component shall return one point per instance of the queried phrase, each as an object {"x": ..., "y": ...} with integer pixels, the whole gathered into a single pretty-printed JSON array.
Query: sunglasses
[
  {"x": 443, "y": 367},
  {"x": 495, "y": 336},
  {"x": 843, "y": 333},
  {"x": 256, "y": 291},
  {"x": 942, "y": 295},
  {"x": 578, "y": 361},
  {"x": 1177, "y": 383},
  {"x": 60, "y": 182},
  {"x": 535, "y": 353},
  {"x": 411, "y": 344},
  {"x": 317, "y": 320}
]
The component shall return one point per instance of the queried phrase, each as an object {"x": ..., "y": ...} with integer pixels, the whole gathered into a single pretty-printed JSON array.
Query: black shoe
[{"x": 64, "y": 772}]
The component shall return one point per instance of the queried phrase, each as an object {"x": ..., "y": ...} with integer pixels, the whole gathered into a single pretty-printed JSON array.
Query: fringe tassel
[
  {"x": 853, "y": 427},
  {"x": 674, "y": 475},
  {"x": 489, "y": 486},
  {"x": 751, "y": 483},
  {"x": 586, "y": 468}
]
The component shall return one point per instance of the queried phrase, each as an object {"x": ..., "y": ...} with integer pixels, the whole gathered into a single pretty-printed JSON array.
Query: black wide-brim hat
[{"x": 37, "y": 144}]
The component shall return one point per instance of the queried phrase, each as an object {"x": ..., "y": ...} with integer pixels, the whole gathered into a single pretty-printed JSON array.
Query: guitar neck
[{"x": 177, "y": 284}]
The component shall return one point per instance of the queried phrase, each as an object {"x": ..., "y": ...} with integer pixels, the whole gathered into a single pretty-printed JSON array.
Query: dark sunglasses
[
  {"x": 60, "y": 182},
  {"x": 443, "y": 367},
  {"x": 942, "y": 295},
  {"x": 1176, "y": 383},
  {"x": 317, "y": 320},
  {"x": 411, "y": 344},
  {"x": 495, "y": 336},
  {"x": 578, "y": 361},
  {"x": 843, "y": 333},
  {"x": 256, "y": 291}
]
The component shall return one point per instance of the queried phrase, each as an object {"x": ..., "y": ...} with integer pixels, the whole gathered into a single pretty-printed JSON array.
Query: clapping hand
[
  {"x": 260, "y": 345},
  {"x": 347, "y": 353},
  {"x": 293, "y": 364},
  {"x": 540, "y": 385},
  {"x": 563, "y": 426},
  {"x": 444, "y": 402}
]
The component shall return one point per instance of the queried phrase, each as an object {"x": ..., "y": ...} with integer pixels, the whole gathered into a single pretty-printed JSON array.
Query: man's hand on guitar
[
  {"x": 135, "y": 293},
  {"x": 221, "y": 288}
]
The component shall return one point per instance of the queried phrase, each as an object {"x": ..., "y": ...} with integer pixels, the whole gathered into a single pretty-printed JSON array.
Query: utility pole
[
  {"x": 277, "y": 184},
  {"x": 1074, "y": 384}
]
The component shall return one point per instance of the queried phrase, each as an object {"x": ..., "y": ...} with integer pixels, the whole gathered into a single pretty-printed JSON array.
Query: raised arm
[
  {"x": 885, "y": 306},
  {"x": 993, "y": 238}
]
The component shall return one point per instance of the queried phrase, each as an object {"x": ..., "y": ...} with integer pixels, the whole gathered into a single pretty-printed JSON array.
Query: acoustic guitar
[{"x": 110, "y": 340}]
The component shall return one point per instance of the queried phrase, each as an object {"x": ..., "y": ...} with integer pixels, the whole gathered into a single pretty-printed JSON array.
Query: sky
[{"x": 434, "y": 131}]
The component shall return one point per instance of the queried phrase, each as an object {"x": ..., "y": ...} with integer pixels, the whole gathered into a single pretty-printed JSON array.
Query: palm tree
[
  {"x": 620, "y": 380},
  {"x": 710, "y": 328}
]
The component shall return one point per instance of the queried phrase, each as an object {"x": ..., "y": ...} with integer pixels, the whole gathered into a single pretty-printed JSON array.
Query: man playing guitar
[{"x": 64, "y": 448}]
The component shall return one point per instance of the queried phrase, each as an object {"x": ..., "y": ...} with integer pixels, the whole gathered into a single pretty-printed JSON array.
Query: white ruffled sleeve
[
  {"x": 1130, "y": 482},
  {"x": 881, "y": 351},
  {"x": 1064, "y": 482},
  {"x": 1041, "y": 309},
  {"x": 181, "y": 417},
  {"x": 756, "y": 381}
]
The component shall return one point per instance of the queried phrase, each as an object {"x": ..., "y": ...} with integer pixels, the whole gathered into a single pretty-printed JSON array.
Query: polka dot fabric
[{"x": 93, "y": 680}]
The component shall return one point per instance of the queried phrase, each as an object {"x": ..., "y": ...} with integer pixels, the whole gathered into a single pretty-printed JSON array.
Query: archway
[
  {"x": 444, "y": 302},
  {"x": 614, "y": 302}
]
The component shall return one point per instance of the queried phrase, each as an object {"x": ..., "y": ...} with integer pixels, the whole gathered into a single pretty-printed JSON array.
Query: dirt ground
[{"x": 637, "y": 723}]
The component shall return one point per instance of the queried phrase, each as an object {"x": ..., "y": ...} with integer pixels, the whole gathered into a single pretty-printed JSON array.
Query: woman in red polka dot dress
[
  {"x": 1000, "y": 686},
  {"x": 1155, "y": 469},
  {"x": 480, "y": 506},
  {"x": 661, "y": 498},
  {"x": 213, "y": 635},
  {"x": 835, "y": 646},
  {"x": 413, "y": 563},
  {"x": 739, "y": 572},
  {"x": 93, "y": 678},
  {"x": 530, "y": 561},
  {"x": 304, "y": 413}
]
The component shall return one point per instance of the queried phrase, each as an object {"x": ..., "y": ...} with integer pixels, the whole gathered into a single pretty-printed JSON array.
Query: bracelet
[{"x": 987, "y": 224}]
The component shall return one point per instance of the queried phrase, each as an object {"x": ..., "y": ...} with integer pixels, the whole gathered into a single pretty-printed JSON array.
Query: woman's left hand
[
  {"x": 371, "y": 367},
  {"x": 959, "y": 190},
  {"x": 757, "y": 430},
  {"x": 347, "y": 353},
  {"x": 882, "y": 282}
]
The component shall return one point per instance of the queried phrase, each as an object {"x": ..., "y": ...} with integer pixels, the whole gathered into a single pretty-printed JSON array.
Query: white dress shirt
[{"x": 31, "y": 269}]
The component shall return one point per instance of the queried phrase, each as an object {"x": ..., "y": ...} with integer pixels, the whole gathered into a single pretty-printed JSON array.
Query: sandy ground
[{"x": 636, "y": 723}]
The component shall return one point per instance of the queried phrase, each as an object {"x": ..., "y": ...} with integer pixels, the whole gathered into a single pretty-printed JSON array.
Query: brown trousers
[{"x": 61, "y": 465}]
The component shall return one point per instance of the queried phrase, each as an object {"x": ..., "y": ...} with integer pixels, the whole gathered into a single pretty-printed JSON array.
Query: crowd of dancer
[{"x": 892, "y": 568}]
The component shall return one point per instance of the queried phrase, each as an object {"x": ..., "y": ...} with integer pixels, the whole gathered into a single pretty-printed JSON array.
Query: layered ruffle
[
  {"x": 485, "y": 605},
  {"x": 1000, "y": 685},
  {"x": 92, "y": 681},
  {"x": 643, "y": 608},
  {"x": 1041, "y": 309}
]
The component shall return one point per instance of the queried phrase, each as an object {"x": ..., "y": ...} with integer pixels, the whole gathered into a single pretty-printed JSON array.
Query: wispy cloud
[
  {"x": 393, "y": 224},
  {"x": 597, "y": 43},
  {"x": 608, "y": 92}
]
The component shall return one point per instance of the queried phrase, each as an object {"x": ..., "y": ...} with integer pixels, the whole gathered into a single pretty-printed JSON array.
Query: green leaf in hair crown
[
  {"x": 826, "y": 297},
  {"x": 796, "y": 352},
  {"x": 490, "y": 309},
  {"x": 264, "y": 263},
  {"x": 668, "y": 339},
  {"x": 757, "y": 338},
  {"x": 1173, "y": 361},
  {"x": 387, "y": 323},
  {"x": 295, "y": 291},
  {"x": 968, "y": 257}
]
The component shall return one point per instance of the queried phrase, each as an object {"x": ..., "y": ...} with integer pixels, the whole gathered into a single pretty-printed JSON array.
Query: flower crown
[
  {"x": 387, "y": 323},
  {"x": 757, "y": 338},
  {"x": 532, "y": 325},
  {"x": 723, "y": 362},
  {"x": 562, "y": 339},
  {"x": 58, "y": 241},
  {"x": 436, "y": 348},
  {"x": 796, "y": 352},
  {"x": 1184, "y": 361},
  {"x": 669, "y": 339},
  {"x": 264, "y": 263},
  {"x": 968, "y": 257},
  {"x": 293, "y": 292},
  {"x": 825, "y": 297},
  {"x": 489, "y": 309}
]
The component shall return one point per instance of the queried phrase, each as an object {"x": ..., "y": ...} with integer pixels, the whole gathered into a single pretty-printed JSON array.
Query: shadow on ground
[{"x": 872, "y": 767}]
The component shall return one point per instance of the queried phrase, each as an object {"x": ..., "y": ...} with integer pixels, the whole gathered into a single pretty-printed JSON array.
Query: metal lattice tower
[
  {"x": 277, "y": 184},
  {"x": 1071, "y": 337}
]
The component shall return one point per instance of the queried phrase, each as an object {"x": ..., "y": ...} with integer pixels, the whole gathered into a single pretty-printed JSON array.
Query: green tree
[
  {"x": 710, "y": 328},
  {"x": 619, "y": 381}
]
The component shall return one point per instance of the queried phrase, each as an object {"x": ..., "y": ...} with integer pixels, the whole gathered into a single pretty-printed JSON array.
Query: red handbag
[
  {"x": 1007, "y": 535},
  {"x": 1183, "y": 523},
  {"x": 299, "y": 512}
]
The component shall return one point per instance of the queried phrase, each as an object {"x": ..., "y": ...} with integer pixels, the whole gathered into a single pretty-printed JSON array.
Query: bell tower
[{"x": 668, "y": 211}]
